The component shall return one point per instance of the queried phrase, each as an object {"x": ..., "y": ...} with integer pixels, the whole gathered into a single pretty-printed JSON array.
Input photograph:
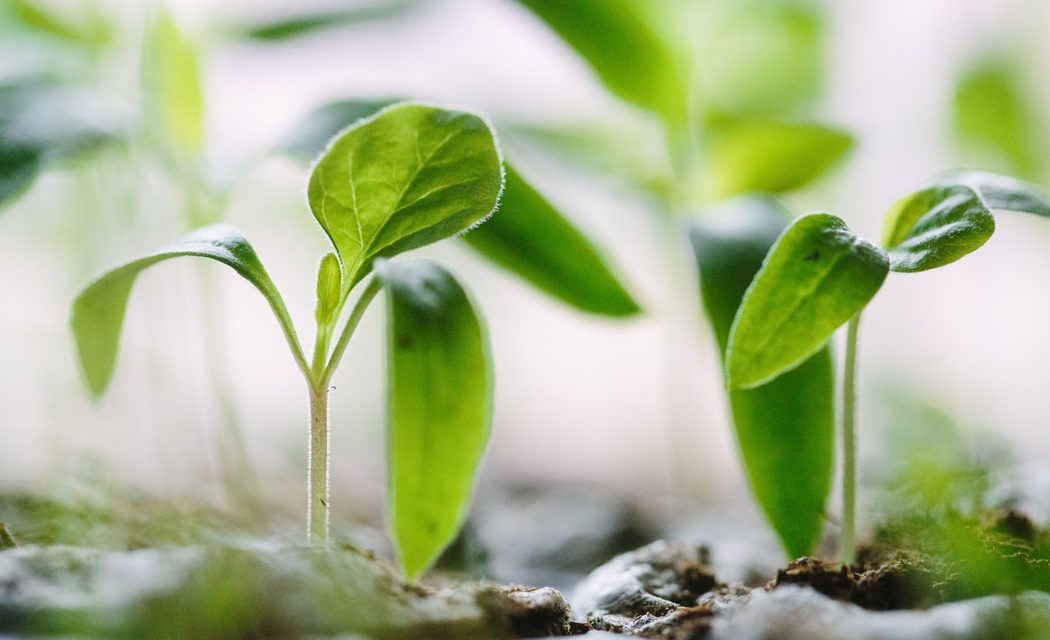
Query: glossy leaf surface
[
  {"x": 784, "y": 428},
  {"x": 622, "y": 48},
  {"x": 440, "y": 407},
  {"x": 1005, "y": 193},
  {"x": 408, "y": 176},
  {"x": 818, "y": 275},
  {"x": 936, "y": 226},
  {"x": 772, "y": 157},
  {"x": 532, "y": 239},
  {"x": 172, "y": 85},
  {"x": 99, "y": 309}
]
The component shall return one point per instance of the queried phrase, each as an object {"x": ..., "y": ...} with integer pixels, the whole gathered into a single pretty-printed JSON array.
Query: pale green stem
[
  {"x": 847, "y": 541},
  {"x": 319, "y": 463}
]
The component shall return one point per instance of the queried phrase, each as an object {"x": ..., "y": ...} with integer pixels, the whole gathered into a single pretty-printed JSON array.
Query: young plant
[
  {"x": 405, "y": 177},
  {"x": 820, "y": 275}
]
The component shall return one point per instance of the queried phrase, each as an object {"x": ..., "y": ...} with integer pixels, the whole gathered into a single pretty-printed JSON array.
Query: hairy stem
[
  {"x": 317, "y": 469},
  {"x": 847, "y": 542}
]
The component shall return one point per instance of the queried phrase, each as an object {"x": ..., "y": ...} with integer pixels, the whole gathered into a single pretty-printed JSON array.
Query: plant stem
[
  {"x": 318, "y": 487},
  {"x": 847, "y": 542},
  {"x": 348, "y": 330}
]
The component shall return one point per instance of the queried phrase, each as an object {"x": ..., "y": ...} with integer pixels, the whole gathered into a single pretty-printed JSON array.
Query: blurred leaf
[
  {"x": 42, "y": 123},
  {"x": 98, "y": 310},
  {"x": 306, "y": 24},
  {"x": 172, "y": 85},
  {"x": 311, "y": 135},
  {"x": 406, "y": 177},
  {"x": 993, "y": 113},
  {"x": 440, "y": 407},
  {"x": 936, "y": 226},
  {"x": 772, "y": 157},
  {"x": 785, "y": 428},
  {"x": 818, "y": 275},
  {"x": 1003, "y": 192},
  {"x": 531, "y": 238},
  {"x": 94, "y": 31},
  {"x": 759, "y": 57},
  {"x": 622, "y": 48}
]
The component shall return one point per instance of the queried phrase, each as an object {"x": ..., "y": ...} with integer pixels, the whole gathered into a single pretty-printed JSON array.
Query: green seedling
[
  {"x": 820, "y": 275},
  {"x": 405, "y": 177}
]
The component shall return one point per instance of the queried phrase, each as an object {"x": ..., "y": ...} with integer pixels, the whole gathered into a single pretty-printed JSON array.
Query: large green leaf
[
  {"x": 936, "y": 226},
  {"x": 818, "y": 275},
  {"x": 530, "y": 238},
  {"x": 98, "y": 311},
  {"x": 408, "y": 176},
  {"x": 172, "y": 85},
  {"x": 42, "y": 123},
  {"x": 994, "y": 113},
  {"x": 440, "y": 407},
  {"x": 785, "y": 428},
  {"x": 622, "y": 48},
  {"x": 1003, "y": 192},
  {"x": 772, "y": 157}
]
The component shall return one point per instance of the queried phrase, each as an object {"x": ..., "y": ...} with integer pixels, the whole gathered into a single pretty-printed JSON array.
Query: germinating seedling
[
  {"x": 820, "y": 275},
  {"x": 406, "y": 177}
]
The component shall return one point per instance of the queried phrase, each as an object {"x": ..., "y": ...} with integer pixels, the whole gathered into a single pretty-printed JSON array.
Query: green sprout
[
  {"x": 405, "y": 177},
  {"x": 820, "y": 275}
]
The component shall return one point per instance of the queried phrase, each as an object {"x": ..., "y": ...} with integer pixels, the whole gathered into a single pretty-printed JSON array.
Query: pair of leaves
[
  {"x": 529, "y": 237},
  {"x": 820, "y": 274},
  {"x": 785, "y": 429},
  {"x": 43, "y": 123},
  {"x": 440, "y": 372}
]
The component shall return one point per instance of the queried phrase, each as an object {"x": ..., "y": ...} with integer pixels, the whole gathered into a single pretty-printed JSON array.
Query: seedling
[
  {"x": 405, "y": 177},
  {"x": 820, "y": 275}
]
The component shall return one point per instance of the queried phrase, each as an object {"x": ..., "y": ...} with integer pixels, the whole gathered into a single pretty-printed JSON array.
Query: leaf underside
[
  {"x": 439, "y": 407},
  {"x": 818, "y": 275},
  {"x": 936, "y": 226},
  {"x": 406, "y": 177},
  {"x": 1004, "y": 193},
  {"x": 784, "y": 428},
  {"x": 99, "y": 309}
]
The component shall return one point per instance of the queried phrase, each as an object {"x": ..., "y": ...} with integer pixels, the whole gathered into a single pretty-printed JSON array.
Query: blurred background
[{"x": 633, "y": 404}]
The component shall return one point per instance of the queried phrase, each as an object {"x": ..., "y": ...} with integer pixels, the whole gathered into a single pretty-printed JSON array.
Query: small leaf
[
  {"x": 440, "y": 407},
  {"x": 818, "y": 275},
  {"x": 772, "y": 157},
  {"x": 408, "y": 176},
  {"x": 172, "y": 85},
  {"x": 936, "y": 226},
  {"x": 622, "y": 48},
  {"x": 994, "y": 113},
  {"x": 98, "y": 311},
  {"x": 302, "y": 25},
  {"x": 329, "y": 290},
  {"x": 43, "y": 123},
  {"x": 532, "y": 239},
  {"x": 309, "y": 137},
  {"x": 1003, "y": 192},
  {"x": 785, "y": 428}
]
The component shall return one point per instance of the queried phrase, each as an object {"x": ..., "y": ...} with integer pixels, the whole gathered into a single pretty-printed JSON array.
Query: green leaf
[
  {"x": 994, "y": 113},
  {"x": 408, "y": 176},
  {"x": 532, "y": 239},
  {"x": 98, "y": 311},
  {"x": 936, "y": 226},
  {"x": 302, "y": 25},
  {"x": 329, "y": 290},
  {"x": 785, "y": 428},
  {"x": 440, "y": 407},
  {"x": 42, "y": 123},
  {"x": 1003, "y": 192},
  {"x": 94, "y": 31},
  {"x": 622, "y": 48},
  {"x": 772, "y": 157},
  {"x": 309, "y": 137},
  {"x": 172, "y": 86},
  {"x": 818, "y": 275}
]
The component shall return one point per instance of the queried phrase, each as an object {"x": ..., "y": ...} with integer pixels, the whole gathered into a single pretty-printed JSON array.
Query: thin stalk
[
  {"x": 348, "y": 330},
  {"x": 847, "y": 542},
  {"x": 318, "y": 489}
]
